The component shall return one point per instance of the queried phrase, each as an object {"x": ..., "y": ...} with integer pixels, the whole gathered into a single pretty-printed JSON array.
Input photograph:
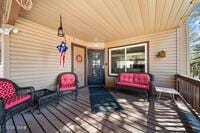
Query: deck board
[
  {"x": 76, "y": 116},
  {"x": 100, "y": 119},
  {"x": 117, "y": 123},
  {"x": 83, "y": 123},
  {"x": 32, "y": 123},
  {"x": 10, "y": 126},
  {"x": 57, "y": 123},
  {"x": 72, "y": 126},
  {"x": 90, "y": 120},
  {"x": 137, "y": 122},
  {"x": 127, "y": 124},
  {"x": 20, "y": 124},
  {"x": 47, "y": 126},
  {"x": 136, "y": 109}
]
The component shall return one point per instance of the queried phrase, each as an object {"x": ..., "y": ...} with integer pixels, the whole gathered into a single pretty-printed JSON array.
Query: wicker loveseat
[
  {"x": 142, "y": 81},
  {"x": 13, "y": 99}
]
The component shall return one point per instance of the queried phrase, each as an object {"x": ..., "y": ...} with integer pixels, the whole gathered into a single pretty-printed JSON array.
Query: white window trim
[{"x": 125, "y": 47}]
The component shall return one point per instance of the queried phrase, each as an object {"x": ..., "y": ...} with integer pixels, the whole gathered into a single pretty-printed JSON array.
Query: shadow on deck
[{"x": 137, "y": 115}]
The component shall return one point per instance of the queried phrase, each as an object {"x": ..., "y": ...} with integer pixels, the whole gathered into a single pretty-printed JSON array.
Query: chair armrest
[
  {"x": 152, "y": 77},
  {"x": 26, "y": 90}
]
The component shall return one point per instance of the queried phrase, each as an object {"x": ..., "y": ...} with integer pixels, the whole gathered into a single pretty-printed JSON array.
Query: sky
[{"x": 194, "y": 23}]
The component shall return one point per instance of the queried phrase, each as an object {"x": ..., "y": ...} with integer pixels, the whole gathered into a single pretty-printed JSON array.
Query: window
[
  {"x": 130, "y": 58},
  {"x": 194, "y": 42}
]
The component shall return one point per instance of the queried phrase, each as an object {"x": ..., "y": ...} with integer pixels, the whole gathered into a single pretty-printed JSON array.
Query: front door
[
  {"x": 96, "y": 74},
  {"x": 79, "y": 63}
]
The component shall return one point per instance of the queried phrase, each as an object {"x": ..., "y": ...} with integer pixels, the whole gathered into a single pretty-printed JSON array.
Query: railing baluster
[{"x": 189, "y": 89}]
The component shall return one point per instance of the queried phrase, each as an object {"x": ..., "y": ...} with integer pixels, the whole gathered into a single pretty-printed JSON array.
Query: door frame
[
  {"x": 72, "y": 60},
  {"x": 101, "y": 49}
]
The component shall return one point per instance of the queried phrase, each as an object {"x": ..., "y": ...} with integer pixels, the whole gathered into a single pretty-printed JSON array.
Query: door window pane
[
  {"x": 117, "y": 61},
  {"x": 135, "y": 59}
]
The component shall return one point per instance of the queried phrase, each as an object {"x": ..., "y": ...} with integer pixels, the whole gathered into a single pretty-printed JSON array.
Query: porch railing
[{"x": 189, "y": 89}]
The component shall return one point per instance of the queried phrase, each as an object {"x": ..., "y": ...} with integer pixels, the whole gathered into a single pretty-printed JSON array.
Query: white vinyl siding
[
  {"x": 1, "y": 71},
  {"x": 1, "y": 56},
  {"x": 164, "y": 69},
  {"x": 34, "y": 58}
]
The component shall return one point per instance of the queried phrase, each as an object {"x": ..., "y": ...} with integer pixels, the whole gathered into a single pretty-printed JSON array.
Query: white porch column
[
  {"x": 5, "y": 55},
  {"x": 182, "y": 50},
  {"x": 5, "y": 32}
]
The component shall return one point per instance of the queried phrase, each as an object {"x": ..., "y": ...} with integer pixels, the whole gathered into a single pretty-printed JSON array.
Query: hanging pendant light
[
  {"x": 60, "y": 29},
  {"x": 26, "y": 4}
]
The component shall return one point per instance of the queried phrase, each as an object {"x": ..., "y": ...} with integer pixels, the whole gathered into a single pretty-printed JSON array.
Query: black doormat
[{"x": 102, "y": 101}]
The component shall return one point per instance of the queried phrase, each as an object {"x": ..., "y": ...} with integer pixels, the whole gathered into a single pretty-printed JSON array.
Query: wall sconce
[
  {"x": 6, "y": 29},
  {"x": 161, "y": 53}
]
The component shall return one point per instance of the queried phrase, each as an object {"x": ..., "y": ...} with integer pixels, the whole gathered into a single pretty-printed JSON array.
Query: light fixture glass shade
[
  {"x": 60, "y": 32},
  {"x": 60, "y": 29}
]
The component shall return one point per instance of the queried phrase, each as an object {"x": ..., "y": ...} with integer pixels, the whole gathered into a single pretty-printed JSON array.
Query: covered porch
[{"x": 102, "y": 39}]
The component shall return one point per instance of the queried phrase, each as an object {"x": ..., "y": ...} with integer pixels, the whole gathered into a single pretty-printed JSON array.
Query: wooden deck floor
[{"x": 75, "y": 116}]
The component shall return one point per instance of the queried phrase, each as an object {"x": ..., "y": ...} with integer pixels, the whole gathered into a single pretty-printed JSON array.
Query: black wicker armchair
[
  {"x": 13, "y": 99},
  {"x": 67, "y": 81}
]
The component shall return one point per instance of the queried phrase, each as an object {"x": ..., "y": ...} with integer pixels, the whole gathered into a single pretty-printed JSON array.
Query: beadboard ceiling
[
  {"x": 109, "y": 20},
  {"x": 1, "y": 10}
]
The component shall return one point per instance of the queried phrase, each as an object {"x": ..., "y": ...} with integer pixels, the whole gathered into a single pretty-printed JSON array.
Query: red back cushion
[
  {"x": 67, "y": 79},
  {"x": 141, "y": 79},
  {"x": 6, "y": 89},
  {"x": 126, "y": 77}
]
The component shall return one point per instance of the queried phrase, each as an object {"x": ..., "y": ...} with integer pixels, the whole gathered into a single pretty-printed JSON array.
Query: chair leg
[
  {"x": 149, "y": 95},
  {"x": 31, "y": 109},
  {"x": 115, "y": 88},
  {"x": 57, "y": 100},
  {"x": 76, "y": 94},
  {"x": 3, "y": 115},
  {"x": 59, "y": 96},
  {"x": 3, "y": 127}
]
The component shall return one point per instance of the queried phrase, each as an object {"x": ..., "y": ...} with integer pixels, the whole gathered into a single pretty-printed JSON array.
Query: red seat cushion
[
  {"x": 16, "y": 100},
  {"x": 126, "y": 77},
  {"x": 67, "y": 79},
  {"x": 138, "y": 86},
  {"x": 6, "y": 90},
  {"x": 68, "y": 88},
  {"x": 143, "y": 79},
  {"x": 67, "y": 82}
]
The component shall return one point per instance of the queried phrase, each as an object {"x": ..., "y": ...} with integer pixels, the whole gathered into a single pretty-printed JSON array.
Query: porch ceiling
[
  {"x": 109, "y": 20},
  {"x": 1, "y": 10}
]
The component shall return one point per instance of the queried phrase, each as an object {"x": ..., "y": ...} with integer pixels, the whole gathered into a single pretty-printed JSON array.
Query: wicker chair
[
  {"x": 13, "y": 99},
  {"x": 67, "y": 81}
]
